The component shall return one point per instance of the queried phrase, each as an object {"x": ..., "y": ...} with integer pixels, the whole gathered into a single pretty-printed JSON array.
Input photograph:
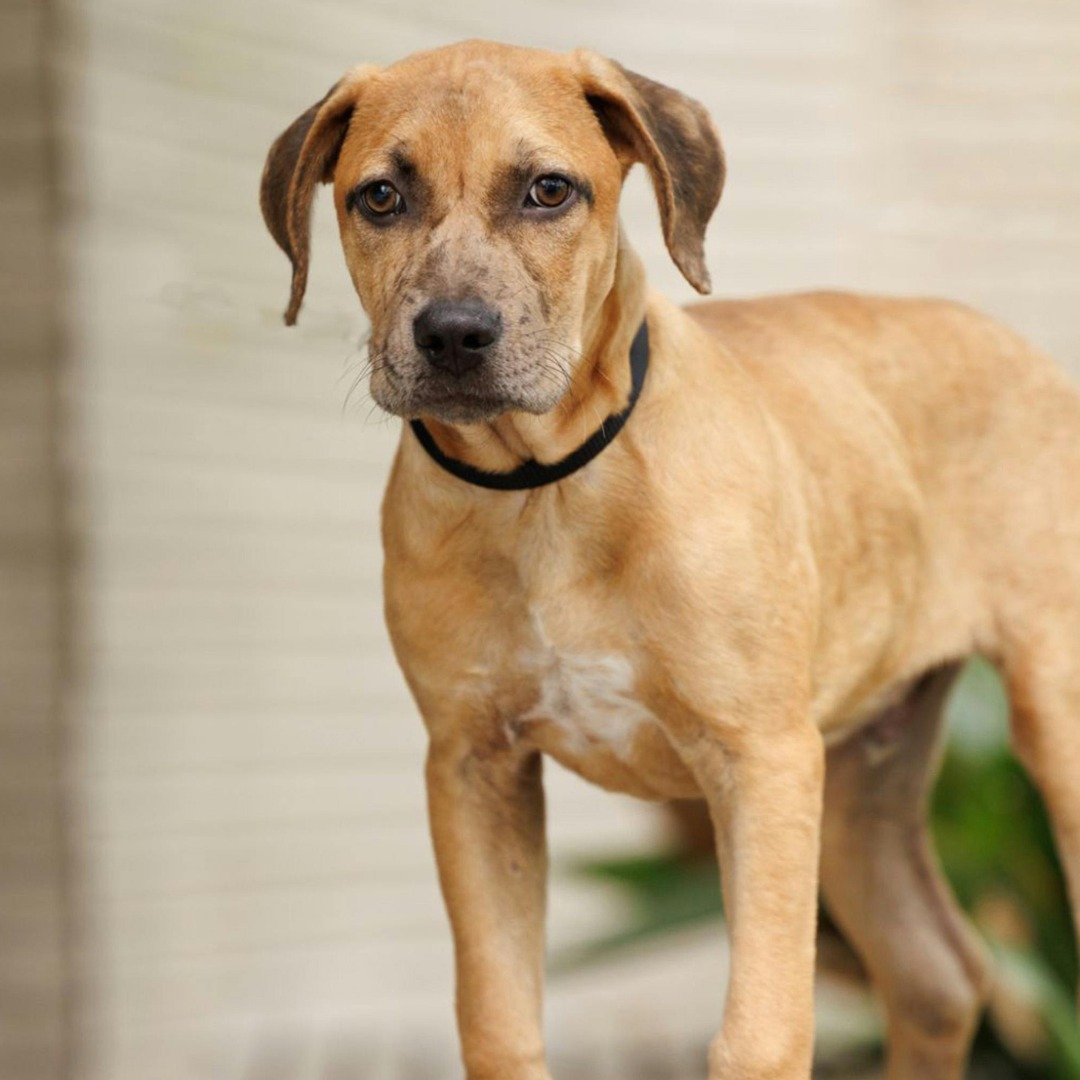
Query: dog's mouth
[
  {"x": 465, "y": 400},
  {"x": 456, "y": 405},
  {"x": 471, "y": 398}
]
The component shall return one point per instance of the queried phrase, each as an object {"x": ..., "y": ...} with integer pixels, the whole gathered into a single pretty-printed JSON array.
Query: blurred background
[{"x": 213, "y": 856}]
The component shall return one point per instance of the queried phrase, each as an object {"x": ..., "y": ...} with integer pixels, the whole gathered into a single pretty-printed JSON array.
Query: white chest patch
[{"x": 588, "y": 696}]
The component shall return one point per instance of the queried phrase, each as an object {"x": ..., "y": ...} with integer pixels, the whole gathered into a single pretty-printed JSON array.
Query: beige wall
[{"x": 248, "y": 803}]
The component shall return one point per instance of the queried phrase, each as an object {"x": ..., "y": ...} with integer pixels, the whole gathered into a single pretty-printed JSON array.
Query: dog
[{"x": 734, "y": 552}]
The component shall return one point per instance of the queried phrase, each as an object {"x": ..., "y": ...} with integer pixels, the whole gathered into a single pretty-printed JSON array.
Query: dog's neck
[{"x": 599, "y": 387}]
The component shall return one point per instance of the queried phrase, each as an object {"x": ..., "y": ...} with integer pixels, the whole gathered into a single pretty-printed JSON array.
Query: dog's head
[{"x": 477, "y": 191}]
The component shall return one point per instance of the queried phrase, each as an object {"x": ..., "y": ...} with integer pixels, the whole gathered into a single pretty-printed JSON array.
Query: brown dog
[{"x": 819, "y": 506}]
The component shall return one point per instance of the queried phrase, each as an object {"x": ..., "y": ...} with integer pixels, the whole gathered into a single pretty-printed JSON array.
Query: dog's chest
[
  {"x": 587, "y": 708},
  {"x": 588, "y": 695}
]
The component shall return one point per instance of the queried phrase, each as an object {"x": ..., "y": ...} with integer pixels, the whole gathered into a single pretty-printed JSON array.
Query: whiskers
[{"x": 360, "y": 367}]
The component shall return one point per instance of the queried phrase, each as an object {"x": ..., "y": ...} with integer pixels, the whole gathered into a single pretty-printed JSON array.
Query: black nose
[{"x": 455, "y": 334}]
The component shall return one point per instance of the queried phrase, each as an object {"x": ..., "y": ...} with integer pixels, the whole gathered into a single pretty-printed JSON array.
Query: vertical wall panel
[{"x": 33, "y": 861}]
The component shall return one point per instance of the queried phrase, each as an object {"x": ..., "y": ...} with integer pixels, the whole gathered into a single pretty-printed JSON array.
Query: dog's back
[{"x": 989, "y": 425}]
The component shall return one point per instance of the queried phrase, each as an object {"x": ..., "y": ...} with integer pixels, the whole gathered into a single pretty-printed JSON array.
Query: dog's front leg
[
  {"x": 765, "y": 794},
  {"x": 487, "y": 821}
]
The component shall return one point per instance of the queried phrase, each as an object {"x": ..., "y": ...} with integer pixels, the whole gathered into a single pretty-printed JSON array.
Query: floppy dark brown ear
[
  {"x": 674, "y": 137},
  {"x": 302, "y": 156}
]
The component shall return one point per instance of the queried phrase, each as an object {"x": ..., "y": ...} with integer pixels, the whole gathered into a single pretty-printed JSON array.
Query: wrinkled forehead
[{"x": 458, "y": 121}]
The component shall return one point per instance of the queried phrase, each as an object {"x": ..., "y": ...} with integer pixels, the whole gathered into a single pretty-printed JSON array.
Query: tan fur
[{"x": 819, "y": 500}]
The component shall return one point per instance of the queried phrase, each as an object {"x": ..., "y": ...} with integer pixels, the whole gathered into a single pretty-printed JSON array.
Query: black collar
[{"x": 534, "y": 474}]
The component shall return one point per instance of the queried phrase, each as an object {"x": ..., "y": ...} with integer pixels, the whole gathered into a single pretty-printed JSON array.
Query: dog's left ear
[
  {"x": 674, "y": 137},
  {"x": 302, "y": 156}
]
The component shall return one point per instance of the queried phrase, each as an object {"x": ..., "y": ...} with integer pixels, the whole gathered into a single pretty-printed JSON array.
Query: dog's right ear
[{"x": 302, "y": 156}]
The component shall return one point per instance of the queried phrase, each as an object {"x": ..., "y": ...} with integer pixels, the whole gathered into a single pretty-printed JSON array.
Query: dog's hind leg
[
  {"x": 882, "y": 884},
  {"x": 1043, "y": 677}
]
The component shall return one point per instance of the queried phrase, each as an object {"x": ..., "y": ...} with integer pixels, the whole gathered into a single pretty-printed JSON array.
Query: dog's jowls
[{"x": 821, "y": 505}]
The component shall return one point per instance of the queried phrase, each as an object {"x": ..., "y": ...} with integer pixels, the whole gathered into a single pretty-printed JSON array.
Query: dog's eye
[
  {"x": 381, "y": 198},
  {"x": 549, "y": 192}
]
